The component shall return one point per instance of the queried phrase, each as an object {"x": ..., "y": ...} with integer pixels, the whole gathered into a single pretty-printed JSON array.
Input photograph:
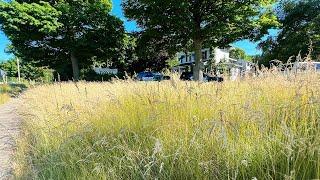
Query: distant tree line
[
  {"x": 27, "y": 70},
  {"x": 299, "y": 32},
  {"x": 70, "y": 37},
  {"x": 238, "y": 53}
]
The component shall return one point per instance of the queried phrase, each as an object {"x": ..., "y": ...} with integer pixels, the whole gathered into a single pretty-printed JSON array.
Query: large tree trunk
[
  {"x": 75, "y": 67},
  {"x": 198, "y": 66}
]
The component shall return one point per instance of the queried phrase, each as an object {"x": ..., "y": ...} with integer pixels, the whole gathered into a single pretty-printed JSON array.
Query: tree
[
  {"x": 175, "y": 24},
  {"x": 141, "y": 53},
  {"x": 28, "y": 71},
  {"x": 128, "y": 54},
  {"x": 10, "y": 67},
  {"x": 151, "y": 53},
  {"x": 48, "y": 33},
  {"x": 238, "y": 53},
  {"x": 173, "y": 62},
  {"x": 299, "y": 31}
]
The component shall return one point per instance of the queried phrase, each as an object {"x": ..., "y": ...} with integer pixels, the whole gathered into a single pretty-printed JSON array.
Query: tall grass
[
  {"x": 257, "y": 128},
  {"x": 4, "y": 96}
]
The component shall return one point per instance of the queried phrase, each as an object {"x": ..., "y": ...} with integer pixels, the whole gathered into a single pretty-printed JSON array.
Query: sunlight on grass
[
  {"x": 4, "y": 97},
  {"x": 264, "y": 128}
]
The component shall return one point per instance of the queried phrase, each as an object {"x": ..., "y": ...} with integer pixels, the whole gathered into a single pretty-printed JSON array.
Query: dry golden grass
[
  {"x": 4, "y": 97},
  {"x": 264, "y": 128}
]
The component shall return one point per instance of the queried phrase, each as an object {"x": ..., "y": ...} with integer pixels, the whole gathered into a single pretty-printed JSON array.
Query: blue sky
[
  {"x": 3, "y": 43},
  {"x": 249, "y": 47}
]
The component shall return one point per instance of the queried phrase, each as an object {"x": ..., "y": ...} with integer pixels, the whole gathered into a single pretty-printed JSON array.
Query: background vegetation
[
  {"x": 194, "y": 25},
  {"x": 238, "y": 53},
  {"x": 28, "y": 72},
  {"x": 299, "y": 31}
]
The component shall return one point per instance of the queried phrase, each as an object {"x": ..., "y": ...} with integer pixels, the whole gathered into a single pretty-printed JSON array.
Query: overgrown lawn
[{"x": 264, "y": 128}]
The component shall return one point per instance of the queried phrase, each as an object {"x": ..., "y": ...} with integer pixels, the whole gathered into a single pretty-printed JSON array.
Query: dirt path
[{"x": 9, "y": 130}]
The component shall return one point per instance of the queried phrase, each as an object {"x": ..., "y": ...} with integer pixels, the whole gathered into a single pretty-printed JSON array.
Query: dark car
[
  {"x": 145, "y": 76},
  {"x": 213, "y": 78},
  {"x": 188, "y": 76},
  {"x": 151, "y": 76}
]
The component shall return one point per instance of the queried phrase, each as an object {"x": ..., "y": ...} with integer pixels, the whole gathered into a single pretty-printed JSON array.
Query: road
[{"x": 9, "y": 130}]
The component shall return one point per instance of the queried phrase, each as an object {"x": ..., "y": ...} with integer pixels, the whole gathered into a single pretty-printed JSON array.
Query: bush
[{"x": 13, "y": 89}]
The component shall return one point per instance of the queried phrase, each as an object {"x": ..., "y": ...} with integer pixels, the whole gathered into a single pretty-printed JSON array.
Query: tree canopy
[
  {"x": 299, "y": 31},
  {"x": 174, "y": 25},
  {"x": 62, "y": 34},
  {"x": 238, "y": 53}
]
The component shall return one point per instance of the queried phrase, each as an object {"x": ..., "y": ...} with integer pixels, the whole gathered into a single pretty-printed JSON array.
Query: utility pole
[{"x": 18, "y": 64}]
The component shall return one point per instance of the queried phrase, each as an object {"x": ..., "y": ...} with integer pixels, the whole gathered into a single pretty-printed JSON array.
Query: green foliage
[
  {"x": 27, "y": 70},
  {"x": 10, "y": 67},
  {"x": 238, "y": 53},
  {"x": 173, "y": 62},
  {"x": 17, "y": 17},
  {"x": 300, "y": 29},
  {"x": 128, "y": 54},
  {"x": 50, "y": 33},
  {"x": 174, "y": 25},
  {"x": 12, "y": 89},
  {"x": 39, "y": 74},
  {"x": 139, "y": 54}
]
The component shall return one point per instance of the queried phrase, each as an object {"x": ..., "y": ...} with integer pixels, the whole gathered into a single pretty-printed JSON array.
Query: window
[
  {"x": 204, "y": 55},
  {"x": 185, "y": 58},
  {"x": 318, "y": 66},
  {"x": 182, "y": 58}
]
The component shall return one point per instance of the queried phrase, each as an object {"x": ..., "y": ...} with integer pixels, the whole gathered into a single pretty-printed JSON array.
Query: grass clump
[
  {"x": 4, "y": 96},
  {"x": 10, "y": 90},
  {"x": 264, "y": 128}
]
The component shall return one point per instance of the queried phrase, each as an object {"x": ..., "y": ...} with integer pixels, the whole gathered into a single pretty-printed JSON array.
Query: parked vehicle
[
  {"x": 145, "y": 76},
  {"x": 213, "y": 78},
  {"x": 302, "y": 66},
  {"x": 151, "y": 76},
  {"x": 188, "y": 76}
]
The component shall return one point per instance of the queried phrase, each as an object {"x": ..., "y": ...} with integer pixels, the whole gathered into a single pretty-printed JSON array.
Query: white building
[
  {"x": 302, "y": 66},
  {"x": 3, "y": 75},
  {"x": 215, "y": 56},
  {"x": 218, "y": 55}
]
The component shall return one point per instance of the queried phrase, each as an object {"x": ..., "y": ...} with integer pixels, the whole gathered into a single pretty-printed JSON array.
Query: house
[
  {"x": 3, "y": 75},
  {"x": 302, "y": 66},
  {"x": 217, "y": 56},
  {"x": 242, "y": 65},
  {"x": 188, "y": 58}
]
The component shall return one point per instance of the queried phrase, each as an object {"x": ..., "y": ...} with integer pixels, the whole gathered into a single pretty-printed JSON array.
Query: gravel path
[{"x": 9, "y": 130}]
